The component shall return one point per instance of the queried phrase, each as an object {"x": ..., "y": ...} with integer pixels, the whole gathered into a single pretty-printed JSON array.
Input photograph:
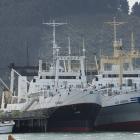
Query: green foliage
[
  {"x": 27, "y": 11},
  {"x": 136, "y": 9},
  {"x": 66, "y": 7},
  {"x": 16, "y": 114},
  {"x": 124, "y": 6},
  {"x": 21, "y": 21},
  {"x": 1, "y": 114}
]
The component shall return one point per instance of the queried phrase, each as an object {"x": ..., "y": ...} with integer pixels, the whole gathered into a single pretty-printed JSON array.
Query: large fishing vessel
[
  {"x": 119, "y": 84},
  {"x": 57, "y": 99}
]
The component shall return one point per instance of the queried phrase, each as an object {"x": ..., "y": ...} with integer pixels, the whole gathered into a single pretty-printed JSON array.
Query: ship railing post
[
  {"x": 12, "y": 82},
  {"x": 40, "y": 66},
  {"x": 2, "y": 102},
  {"x": 83, "y": 76}
]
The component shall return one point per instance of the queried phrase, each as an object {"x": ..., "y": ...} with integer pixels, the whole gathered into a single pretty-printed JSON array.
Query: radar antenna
[
  {"x": 116, "y": 44},
  {"x": 115, "y": 23},
  {"x": 55, "y": 47}
]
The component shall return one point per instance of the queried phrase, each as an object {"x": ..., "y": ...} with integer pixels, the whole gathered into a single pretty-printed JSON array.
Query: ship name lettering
[
  {"x": 117, "y": 102},
  {"x": 59, "y": 102},
  {"x": 123, "y": 101}
]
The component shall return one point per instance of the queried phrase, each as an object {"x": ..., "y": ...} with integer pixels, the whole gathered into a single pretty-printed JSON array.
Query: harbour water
[{"x": 76, "y": 136}]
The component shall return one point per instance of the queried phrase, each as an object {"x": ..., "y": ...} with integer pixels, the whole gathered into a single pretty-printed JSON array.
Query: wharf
[{"x": 28, "y": 121}]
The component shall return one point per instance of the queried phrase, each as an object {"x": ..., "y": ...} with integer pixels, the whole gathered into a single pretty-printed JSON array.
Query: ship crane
[
  {"x": 13, "y": 72},
  {"x": 4, "y": 84}
]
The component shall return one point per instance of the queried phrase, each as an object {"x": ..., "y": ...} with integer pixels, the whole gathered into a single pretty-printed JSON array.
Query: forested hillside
[{"x": 21, "y": 27}]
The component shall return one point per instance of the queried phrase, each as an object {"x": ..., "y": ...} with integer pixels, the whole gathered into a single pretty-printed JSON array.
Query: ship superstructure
[
  {"x": 119, "y": 84},
  {"x": 59, "y": 94}
]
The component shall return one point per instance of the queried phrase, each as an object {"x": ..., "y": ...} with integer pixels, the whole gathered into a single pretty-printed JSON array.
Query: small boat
[{"x": 6, "y": 126}]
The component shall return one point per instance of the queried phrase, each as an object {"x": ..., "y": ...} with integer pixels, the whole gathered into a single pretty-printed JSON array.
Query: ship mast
[
  {"x": 55, "y": 47},
  {"x": 116, "y": 44},
  {"x": 69, "y": 49},
  {"x": 84, "y": 55},
  {"x": 117, "y": 48},
  {"x": 132, "y": 51},
  {"x": 84, "y": 50},
  {"x": 132, "y": 43}
]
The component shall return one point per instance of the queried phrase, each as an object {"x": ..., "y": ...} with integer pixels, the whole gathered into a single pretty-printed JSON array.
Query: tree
[
  {"x": 124, "y": 6},
  {"x": 136, "y": 9},
  {"x": 71, "y": 7}
]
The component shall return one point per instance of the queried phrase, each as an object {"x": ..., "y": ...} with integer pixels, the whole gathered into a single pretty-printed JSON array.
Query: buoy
[{"x": 10, "y": 137}]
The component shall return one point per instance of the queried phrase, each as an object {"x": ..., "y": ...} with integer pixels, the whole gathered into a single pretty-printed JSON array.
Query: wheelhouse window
[
  {"x": 96, "y": 79},
  {"x": 78, "y": 86},
  {"x": 112, "y": 75},
  {"x": 67, "y": 77},
  {"x": 50, "y": 77},
  {"x": 44, "y": 67},
  {"x": 117, "y": 75},
  {"x": 130, "y": 75},
  {"x": 126, "y": 66},
  {"x": 136, "y": 63},
  {"x": 107, "y": 67}
]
